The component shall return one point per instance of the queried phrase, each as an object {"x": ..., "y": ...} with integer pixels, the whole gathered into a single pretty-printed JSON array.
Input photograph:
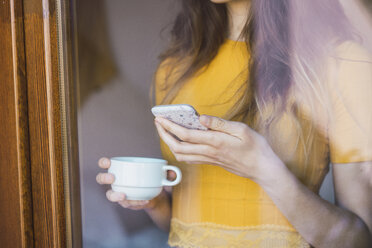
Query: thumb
[{"x": 219, "y": 124}]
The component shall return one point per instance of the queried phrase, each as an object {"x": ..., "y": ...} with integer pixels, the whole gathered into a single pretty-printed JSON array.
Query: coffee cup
[{"x": 141, "y": 178}]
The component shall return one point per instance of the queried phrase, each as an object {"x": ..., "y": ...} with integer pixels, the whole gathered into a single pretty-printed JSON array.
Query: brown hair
[{"x": 276, "y": 34}]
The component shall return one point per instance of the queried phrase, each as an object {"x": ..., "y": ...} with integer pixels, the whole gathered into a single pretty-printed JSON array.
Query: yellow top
[{"x": 215, "y": 208}]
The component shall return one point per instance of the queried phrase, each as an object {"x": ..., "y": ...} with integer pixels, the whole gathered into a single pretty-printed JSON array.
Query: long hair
[{"x": 286, "y": 40}]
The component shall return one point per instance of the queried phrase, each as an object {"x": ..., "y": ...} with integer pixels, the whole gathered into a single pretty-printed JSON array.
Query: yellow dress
[{"x": 214, "y": 208}]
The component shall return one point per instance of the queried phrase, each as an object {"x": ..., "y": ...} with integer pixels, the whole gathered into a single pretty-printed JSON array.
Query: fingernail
[
  {"x": 106, "y": 162},
  {"x": 98, "y": 178},
  {"x": 110, "y": 177},
  {"x": 121, "y": 197}
]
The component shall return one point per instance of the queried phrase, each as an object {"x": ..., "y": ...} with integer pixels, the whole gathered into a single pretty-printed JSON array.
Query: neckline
[
  {"x": 234, "y": 43},
  {"x": 231, "y": 41}
]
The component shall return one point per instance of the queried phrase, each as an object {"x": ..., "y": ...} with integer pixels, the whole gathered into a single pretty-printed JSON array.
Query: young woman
[{"x": 285, "y": 90}]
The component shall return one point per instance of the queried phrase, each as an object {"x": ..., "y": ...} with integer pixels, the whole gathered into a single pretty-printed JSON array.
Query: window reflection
[{"x": 119, "y": 43}]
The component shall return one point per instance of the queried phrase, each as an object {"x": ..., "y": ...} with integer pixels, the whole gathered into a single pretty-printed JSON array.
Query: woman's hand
[
  {"x": 108, "y": 178},
  {"x": 159, "y": 208},
  {"x": 229, "y": 144}
]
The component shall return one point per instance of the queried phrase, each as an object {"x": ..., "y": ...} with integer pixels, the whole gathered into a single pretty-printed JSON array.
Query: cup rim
[{"x": 139, "y": 160}]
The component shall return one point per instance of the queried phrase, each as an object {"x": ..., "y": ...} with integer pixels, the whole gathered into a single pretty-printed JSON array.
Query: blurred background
[{"x": 119, "y": 42}]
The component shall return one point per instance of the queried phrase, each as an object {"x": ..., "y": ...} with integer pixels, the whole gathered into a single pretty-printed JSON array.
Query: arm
[
  {"x": 161, "y": 212},
  {"x": 353, "y": 189},
  {"x": 240, "y": 150},
  {"x": 344, "y": 225},
  {"x": 321, "y": 223}
]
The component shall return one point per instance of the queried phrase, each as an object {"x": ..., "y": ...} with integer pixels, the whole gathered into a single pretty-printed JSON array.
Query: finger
[
  {"x": 104, "y": 163},
  {"x": 137, "y": 207},
  {"x": 133, "y": 203},
  {"x": 114, "y": 196},
  {"x": 166, "y": 137},
  {"x": 175, "y": 146},
  {"x": 105, "y": 178},
  {"x": 211, "y": 138},
  {"x": 191, "y": 148},
  {"x": 218, "y": 124},
  {"x": 171, "y": 175},
  {"x": 186, "y": 147},
  {"x": 168, "y": 189}
]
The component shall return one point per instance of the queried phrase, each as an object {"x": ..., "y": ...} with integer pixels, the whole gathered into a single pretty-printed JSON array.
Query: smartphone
[{"x": 182, "y": 114}]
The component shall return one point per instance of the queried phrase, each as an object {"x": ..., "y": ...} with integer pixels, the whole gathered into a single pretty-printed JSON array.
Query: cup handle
[{"x": 176, "y": 181}]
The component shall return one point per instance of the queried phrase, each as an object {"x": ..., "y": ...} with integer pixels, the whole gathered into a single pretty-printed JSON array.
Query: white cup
[{"x": 141, "y": 178}]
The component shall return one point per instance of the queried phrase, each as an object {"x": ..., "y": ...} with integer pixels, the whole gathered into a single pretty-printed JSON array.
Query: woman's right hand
[{"x": 108, "y": 178}]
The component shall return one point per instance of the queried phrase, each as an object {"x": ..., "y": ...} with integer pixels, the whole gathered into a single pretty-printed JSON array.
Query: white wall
[{"x": 116, "y": 120}]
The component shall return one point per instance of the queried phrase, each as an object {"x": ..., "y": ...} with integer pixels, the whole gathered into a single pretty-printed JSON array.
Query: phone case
[{"x": 182, "y": 114}]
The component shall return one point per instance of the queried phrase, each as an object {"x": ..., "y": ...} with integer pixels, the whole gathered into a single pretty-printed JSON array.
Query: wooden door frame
[
  {"x": 16, "y": 226},
  {"x": 39, "y": 176}
]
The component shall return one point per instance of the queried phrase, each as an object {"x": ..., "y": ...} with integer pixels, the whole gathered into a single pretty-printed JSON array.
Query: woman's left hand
[{"x": 229, "y": 144}]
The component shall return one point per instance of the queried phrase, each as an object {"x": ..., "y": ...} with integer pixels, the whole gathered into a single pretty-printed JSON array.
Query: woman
[{"x": 285, "y": 89}]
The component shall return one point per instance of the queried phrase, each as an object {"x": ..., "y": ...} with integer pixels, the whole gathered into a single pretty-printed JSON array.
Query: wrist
[
  {"x": 270, "y": 171},
  {"x": 157, "y": 202}
]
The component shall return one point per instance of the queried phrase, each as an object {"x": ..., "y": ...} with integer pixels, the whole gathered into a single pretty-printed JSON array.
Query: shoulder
[
  {"x": 167, "y": 71},
  {"x": 161, "y": 71},
  {"x": 350, "y": 65},
  {"x": 350, "y": 92},
  {"x": 352, "y": 59},
  {"x": 351, "y": 51},
  {"x": 165, "y": 76}
]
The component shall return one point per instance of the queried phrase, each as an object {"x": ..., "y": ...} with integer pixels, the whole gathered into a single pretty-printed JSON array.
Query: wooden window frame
[{"x": 39, "y": 169}]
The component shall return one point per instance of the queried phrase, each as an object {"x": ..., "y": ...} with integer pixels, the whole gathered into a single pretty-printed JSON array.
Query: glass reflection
[{"x": 281, "y": 67}]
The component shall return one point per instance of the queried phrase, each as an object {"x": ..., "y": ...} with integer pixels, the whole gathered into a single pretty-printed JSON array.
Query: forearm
[
  {"x": 161, "y": 212},
  {"x": 321, "y": 223}
]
